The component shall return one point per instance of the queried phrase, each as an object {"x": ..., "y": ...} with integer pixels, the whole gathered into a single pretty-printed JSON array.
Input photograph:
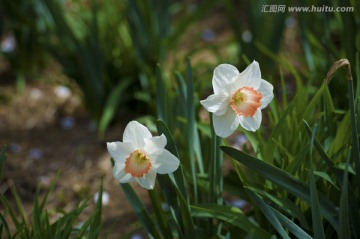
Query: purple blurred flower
[
  {"x": 165, "y": 206},
  {"x": 8, "y": 44},
  {"x": 136, "y": 236},
  {"x": 36, "y": 153},
  {"x": 238, "y": 203},
  {"x": 67, "y": 122},
  {"x": 15, "y": 148},
  {"x": 240, "y": 140},
  {"x": 208, "y": 35}
]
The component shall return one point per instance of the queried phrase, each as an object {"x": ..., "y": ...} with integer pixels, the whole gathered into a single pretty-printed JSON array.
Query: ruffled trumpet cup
[
  {"x": 141, "y": 156},
  {"x": 238, "y": 98}
]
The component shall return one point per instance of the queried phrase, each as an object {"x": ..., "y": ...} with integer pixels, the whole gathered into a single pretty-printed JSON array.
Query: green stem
[
  {"x": 160, "y": 215},
  {"x": 216, "y": 177},
  {"x": 212, "y": 162},
  {"x": 218, "y": 171},
  {"x": 215, "y": 174},
  {"x": 140, "y": 210}
]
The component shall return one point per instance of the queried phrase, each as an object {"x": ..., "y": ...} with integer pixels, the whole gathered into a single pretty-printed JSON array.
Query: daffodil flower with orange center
[
  {"x": 141, "y": 156},
  {"x": 238, "y": 98}
]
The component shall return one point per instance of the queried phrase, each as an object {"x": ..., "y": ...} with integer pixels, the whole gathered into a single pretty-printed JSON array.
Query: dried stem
[{"x": 336, "y": 66}]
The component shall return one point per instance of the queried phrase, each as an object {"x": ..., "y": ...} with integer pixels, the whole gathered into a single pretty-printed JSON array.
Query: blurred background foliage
[{"x": 111, "y": 48}]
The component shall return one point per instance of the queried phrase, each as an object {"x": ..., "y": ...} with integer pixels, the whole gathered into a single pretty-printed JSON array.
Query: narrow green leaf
[
  {"x": 326, "y": 177},
  {"x": 36, "y": 215},
  {"x": 344, "y": 223},
  {"x": 231, "y": 215},
  {"x": 321, "y": 151},
  {"x": 49, "y": 190},
  {"x": 190, "y": 115},
  {"x": 309, "y": 110},
  {"x": 95, "y": 225},
  {"x": 337, "y": 172},
  {"x": 64, "y": 226},
  {"x": 179, "y": 206},
  {"x": 357, "y": 93},
  {"x": 285, "y": 204},
  {"x": 298, "y": 161},
  {"x": 329, "y": 112},
  {"x": 293, "y": 227},
  {"x": 268, "y": 213},
  {"x": 184, "y": 222},
  {"x": 283, "y": 89},
  {"x": 85, "y": 227},
  {"x": 286, "y": 181},
  {"x": 170, "y": 193},
  {"x": 20, "y": 209},
  {"x": 161, "y": 103},
  {"x": 315, "y": 208},
  {"x": 181, "y": 93},
  {"x": 187, "y": 221},
  {"x": 354, "y": 132},
  {"x": 270, "y": 147},
  {"x": 179, "y": 178},
  {"x": 5, "y": 226},
  {"x": 342, "y": 136},
  {"x": 46, "y": 225},
  {"x": 193, "y": 133}
]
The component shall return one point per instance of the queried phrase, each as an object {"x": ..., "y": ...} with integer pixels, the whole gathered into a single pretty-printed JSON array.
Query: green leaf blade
[{"x": 286, "y": 181}]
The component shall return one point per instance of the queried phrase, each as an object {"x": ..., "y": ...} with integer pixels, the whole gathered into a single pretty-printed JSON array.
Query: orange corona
[
  {"x": 137, "y": 164},
  {"x": 246, "y": 101}
]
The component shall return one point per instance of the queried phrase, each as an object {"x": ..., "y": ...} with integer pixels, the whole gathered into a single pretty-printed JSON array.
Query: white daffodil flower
[
  {"x": 238, "y": 98},
  {"x": 140, "y": 156}
]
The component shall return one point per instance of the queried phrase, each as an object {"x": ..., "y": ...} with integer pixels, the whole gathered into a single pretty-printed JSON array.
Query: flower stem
[
  {"x": 215, "y": 175},
  {"x": 215, "y": 172}
]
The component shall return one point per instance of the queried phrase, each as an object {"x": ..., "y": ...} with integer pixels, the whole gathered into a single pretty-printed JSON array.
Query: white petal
[
  {"x": 266, "y": 90},
  {"x": 225, "y": 124},
  {"x": 224, "y": 75},
  {"x": 136, "y": 133},
  {"x": 250, "y": 77},
  {"x": 216, "y": 103},
  {"x": 166, "y": 163},
  {"x": 119, "y": 150},
  {"x": 148, "y": 180},
  {"x": 251, "y": 123},
  {"x": 120, "y": 175},
  {"x": 155, "y": 145}
]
